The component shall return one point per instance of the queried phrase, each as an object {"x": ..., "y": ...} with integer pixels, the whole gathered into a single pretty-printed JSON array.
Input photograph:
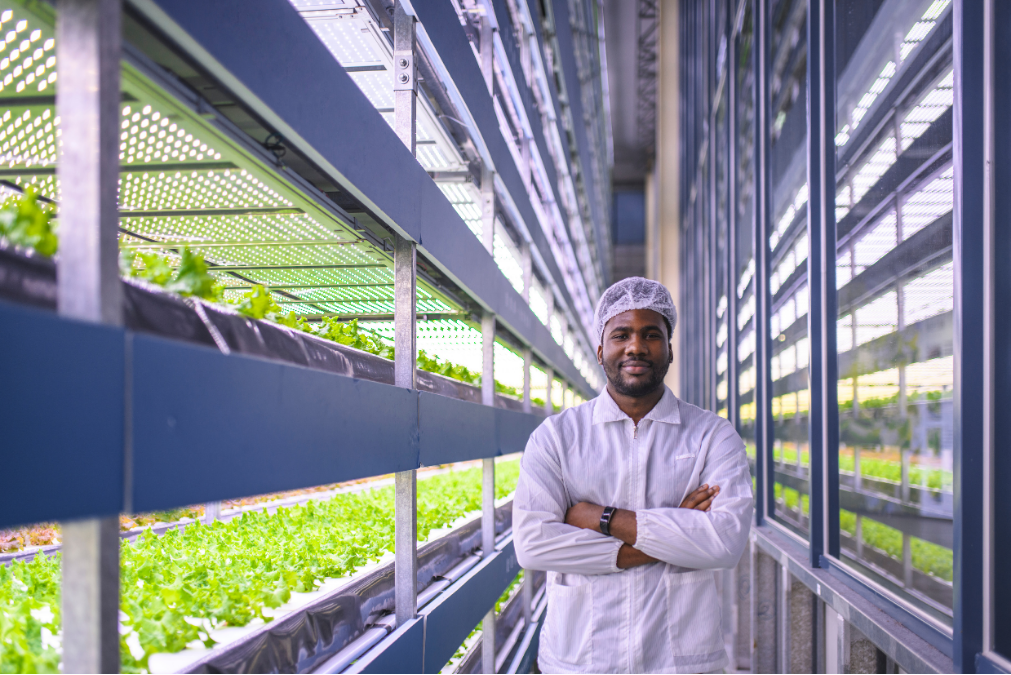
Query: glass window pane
[
  {"x": 788, "y": 261},
  {"x": 894, "y": 278}
]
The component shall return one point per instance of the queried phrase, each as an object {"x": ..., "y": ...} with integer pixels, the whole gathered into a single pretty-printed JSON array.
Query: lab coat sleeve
[
  {"x": 542, "y": 539},
  {"x": 700, "y": 539}
]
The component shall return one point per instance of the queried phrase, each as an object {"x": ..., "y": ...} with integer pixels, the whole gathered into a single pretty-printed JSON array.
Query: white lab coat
[{"x": 658, "y": 618}]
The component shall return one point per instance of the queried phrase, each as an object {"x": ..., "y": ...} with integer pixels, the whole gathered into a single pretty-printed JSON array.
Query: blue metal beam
[
  {"x": 454, "y": 431},
  {"x": 208, "y": 426},
  {"x": 204, "y": 426},
  {"x": 454, "y": 614},
  {"x": 513, "y": 429},
  {"x": 61, "y": 412},
  {"x": 402, "y": 652}
]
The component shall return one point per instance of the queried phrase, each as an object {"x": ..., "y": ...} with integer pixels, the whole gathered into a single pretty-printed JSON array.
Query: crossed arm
[
  {"x": 703, "y": 533},
  {"x": 624, "y": 525}
]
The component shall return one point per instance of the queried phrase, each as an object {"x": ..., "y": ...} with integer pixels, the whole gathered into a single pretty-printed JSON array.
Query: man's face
[{"x": 636, "y": 352}]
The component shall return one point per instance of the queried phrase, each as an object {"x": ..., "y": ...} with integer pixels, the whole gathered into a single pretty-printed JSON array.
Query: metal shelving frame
[{"x": 345, "y": 221}]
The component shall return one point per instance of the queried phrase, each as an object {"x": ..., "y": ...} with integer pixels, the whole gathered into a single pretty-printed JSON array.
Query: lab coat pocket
[
  {"x": 693, "y": 619},
  {"x": 569, "y": 623}
]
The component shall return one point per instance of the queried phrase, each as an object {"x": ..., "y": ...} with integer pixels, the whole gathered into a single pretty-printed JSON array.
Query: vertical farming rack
[{"x": 425, "y": 168}]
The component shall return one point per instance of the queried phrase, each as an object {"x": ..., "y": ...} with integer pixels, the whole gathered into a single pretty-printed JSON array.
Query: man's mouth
[{"x": 637, "y": 367}]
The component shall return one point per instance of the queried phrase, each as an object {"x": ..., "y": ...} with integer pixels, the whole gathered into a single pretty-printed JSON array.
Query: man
[{"x": 629, "y": 502}]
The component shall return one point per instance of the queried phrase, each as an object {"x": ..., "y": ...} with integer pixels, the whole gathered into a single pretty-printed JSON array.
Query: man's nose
[{"x": 635, "y": 345}]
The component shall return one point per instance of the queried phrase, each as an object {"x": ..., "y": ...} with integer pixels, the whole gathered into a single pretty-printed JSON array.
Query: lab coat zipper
[
  {"x": 630, "y": 579},
  {"x": 634, "y": 579}
]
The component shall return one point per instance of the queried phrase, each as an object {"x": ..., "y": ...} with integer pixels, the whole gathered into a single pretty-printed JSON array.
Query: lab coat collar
[{"x": 666, "y": 409}]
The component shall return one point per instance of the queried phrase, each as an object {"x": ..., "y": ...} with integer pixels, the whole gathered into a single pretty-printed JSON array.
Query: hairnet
[{"x": 634, "y": 293}]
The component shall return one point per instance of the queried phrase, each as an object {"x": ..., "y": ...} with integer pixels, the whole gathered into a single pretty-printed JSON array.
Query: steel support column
[
  {"x": 528, "y": 357},
  {"x": 733, "y": 397},
  {"x": 823, "y": 427},
  {"x": 88, "y": 53},
  {"x": 405, "y": 318},
  {"x": 488, "y": 486},
  {"x": 405, "y": 76},
  {"x": 549, "y": 376},
  {"x": 406, "y": 513},
  {"x": 526, "y": 264},
  {"x": 487, "y": 173},
  {"x": 970, "y": 340},
  {"x": 765, "y": 500}
]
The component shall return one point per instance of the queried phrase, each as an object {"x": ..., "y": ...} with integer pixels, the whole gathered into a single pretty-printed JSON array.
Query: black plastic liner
[
  {"x": 30, "y": 279},
  {"x": 303, "y": 640}
]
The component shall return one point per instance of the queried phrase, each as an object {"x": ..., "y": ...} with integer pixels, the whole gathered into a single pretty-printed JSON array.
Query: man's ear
[
  {"x": 600, "y": 355},
  {"x": 670, "y": 353}
]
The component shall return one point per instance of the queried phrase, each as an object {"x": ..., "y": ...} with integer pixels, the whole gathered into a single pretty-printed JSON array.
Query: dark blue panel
[
  {"x": 265, "y": 48},
  {"x": 454, "y": 431},
  {"x": 969, "y": 335},
  {"x": 453, "y": 615},
  {"x": 513, "y": 429},
  {"x": 207, "y": 426},
  {"x": 61, "y": 412},
  {"x": 402, "y": 652},
  {"x": 1001, "y": 534}
]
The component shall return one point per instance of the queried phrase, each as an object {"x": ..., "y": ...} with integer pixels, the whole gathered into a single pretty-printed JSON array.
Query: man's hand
[
  {"x": 586, "y": 515},
  {"x": 702, "y": 498}
]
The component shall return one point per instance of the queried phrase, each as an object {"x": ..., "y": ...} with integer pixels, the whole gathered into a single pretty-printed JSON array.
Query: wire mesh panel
[{"x": 895, "y": 293}]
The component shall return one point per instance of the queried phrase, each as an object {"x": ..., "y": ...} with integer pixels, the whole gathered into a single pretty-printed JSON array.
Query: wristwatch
[{"x": 605, "y": 520}]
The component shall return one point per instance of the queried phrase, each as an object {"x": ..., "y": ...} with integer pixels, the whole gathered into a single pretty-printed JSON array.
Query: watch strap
[{"x": 605, "y": 520}]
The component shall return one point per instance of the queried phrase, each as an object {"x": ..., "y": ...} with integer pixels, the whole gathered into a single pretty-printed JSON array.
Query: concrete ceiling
[{"x": 632, "y": 119}]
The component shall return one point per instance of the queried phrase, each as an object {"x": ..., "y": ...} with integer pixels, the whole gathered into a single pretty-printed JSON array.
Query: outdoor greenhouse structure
[{"x": 287, "y": 286}]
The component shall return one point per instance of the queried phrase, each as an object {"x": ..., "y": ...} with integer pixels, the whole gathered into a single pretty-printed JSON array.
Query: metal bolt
[
  {"x": 404, "y": 78},
  {"x": 403, "y": 63}
]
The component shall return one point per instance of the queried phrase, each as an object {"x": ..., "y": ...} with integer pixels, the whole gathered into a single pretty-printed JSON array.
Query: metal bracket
[{"x": 405, "y": 71}]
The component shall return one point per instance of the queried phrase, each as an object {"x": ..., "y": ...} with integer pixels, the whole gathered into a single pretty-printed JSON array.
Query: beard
[{"x": 626, "y": 386}]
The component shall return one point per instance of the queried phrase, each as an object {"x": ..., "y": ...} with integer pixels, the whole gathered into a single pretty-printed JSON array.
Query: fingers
[
  {"x": 702, "y": 498},
  {"x": 695, "y": 497},
  {"x": 704, "y": 506},
  {"x": 708, "y": 503}
]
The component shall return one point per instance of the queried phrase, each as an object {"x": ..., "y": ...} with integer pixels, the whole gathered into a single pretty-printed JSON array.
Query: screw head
[
  {"x": 403, "y": 63},
  {"x": 404, "y": 78}
]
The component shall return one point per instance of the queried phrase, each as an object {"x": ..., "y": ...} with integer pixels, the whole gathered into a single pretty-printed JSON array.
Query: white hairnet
[{"x": 634, "y": 293}]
